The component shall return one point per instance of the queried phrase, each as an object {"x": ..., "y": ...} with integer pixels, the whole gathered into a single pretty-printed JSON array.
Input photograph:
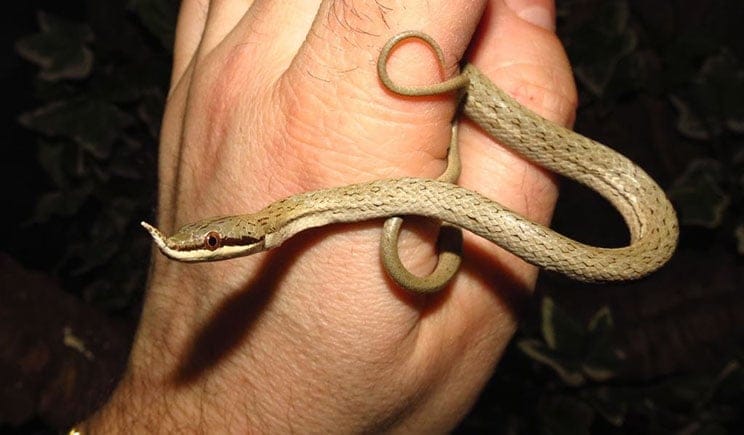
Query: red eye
[{"x": 212, "y": 240}]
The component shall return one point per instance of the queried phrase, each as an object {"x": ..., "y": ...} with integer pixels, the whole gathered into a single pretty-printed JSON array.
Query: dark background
[{"x": 662, "y": 82}]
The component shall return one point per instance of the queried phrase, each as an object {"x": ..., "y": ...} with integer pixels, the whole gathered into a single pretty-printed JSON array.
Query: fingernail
[{"x": 535, "y": 12}]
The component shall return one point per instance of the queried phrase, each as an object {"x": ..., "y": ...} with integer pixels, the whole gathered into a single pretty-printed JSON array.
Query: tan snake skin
[{"x": 649, "y": 215}]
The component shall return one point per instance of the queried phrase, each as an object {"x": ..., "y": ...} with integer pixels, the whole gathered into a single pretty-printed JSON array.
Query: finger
[
  {"x": 192, "y": 18},
  {"x": 282, "y": 27},
  {"x": 223, "y": 17},
  {"x": 516, "y": 47},
  {"x": 267, "y": 35},
  {"x": 388, "y": 135},
  {"x": 527, "y": 61},
  {"x": 340, "y": 55},
  {"x": 203, "y": 24}
]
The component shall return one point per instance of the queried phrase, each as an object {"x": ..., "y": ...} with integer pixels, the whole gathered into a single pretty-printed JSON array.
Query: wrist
[{"x": 154, "y": 406}]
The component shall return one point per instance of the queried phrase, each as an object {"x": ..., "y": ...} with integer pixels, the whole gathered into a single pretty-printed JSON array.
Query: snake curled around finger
[{"x": 647, "y": 212}]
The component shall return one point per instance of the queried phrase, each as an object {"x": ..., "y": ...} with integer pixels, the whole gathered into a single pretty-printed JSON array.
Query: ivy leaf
[
  {"x": 601, "y": 322},
  {"x": 712, "y": 103},
  {"x": 569, "y": 371},
  {"x": 601, "y": 366},
  {"x": 560, "y": 331},
  {"x": 51, "y": 158},
  {"x": 61, "y": 203},
  {"x": 129, "y": 83},
  {"x": 92, "y": 123},
  {"x": 724, "y": 75},
  {"x": 600, "y": 45},
  {"x": 689, "y": 122},
  {"x": 698, "y": 195},
  {"x": 611, "y": 405},
  {"x": 105, "y": 236},
  {"x": 576, "y": 353},
  {"x": 60, "y": 48},
  {"x": 601, "y": 361}
]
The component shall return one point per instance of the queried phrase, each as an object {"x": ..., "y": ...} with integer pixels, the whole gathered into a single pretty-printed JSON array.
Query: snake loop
[{"x": 649, "y": 215}]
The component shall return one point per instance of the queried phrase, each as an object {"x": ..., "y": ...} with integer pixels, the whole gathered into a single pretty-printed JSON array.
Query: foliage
[
  {"x": 97, "y": 125},
  {"x": 577, "y": 354},
  {"x": 699, "y": 71},
  {"x": 562, "y": 377},
  {"x": 710, "y": 192},
  {"x": 101, "y": 87},
  {"x": 704, "y": 402},
  {"x": 567, "y": 385}
]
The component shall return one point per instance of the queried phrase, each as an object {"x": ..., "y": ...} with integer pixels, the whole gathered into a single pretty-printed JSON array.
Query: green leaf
[
  {"x": 698, "y": 195},
  {"x": 561, "y": 332},
  {"x": 711, "y": 104},
  {"x": 159, "y": 17},
  {"x": 722, "y": 77},
  {"x": 131, "y": 82},
  {"x": 567, "y": 369},
  {"x": 599, "y": 371},
  {"x": 94, "y": 124},
  {"x": 62, "y": 203},
  {"x": 51, "y": 158},
  {"x": 598, "y": 74},
  {"x": 602, "y": 359},
  {"x": 601, "y": 44},
  {"x": 729, "y": 383},
  {"x": 573, "y": 352},
  {"x": 105, "y": 236},
  {"x": 59, "y": 49},
  {"x": 611, "y": 405},
  {"x": 689, "y": 123},
  {"x": 601, "y": 322}
]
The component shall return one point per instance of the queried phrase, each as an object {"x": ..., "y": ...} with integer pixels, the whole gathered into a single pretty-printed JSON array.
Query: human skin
[{"x": 269, "y": 99}]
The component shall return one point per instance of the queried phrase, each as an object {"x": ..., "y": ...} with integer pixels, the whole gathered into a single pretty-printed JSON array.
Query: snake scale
[{"x": 649, "y": 215}]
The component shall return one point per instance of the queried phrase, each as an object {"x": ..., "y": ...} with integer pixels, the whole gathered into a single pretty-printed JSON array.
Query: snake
[{"x": 649, "y": 215}]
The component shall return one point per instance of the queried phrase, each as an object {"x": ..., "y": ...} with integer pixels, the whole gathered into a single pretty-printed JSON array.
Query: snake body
[{"x": 647, "y": 212}]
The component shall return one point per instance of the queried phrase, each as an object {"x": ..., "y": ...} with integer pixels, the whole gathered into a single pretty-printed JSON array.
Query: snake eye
[{"x": 212, "y": 240}]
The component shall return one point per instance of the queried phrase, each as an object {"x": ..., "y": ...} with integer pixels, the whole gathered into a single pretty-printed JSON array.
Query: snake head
[{"x": 204, "y": 241}]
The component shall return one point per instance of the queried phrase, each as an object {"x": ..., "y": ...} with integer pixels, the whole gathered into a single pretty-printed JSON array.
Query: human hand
[{"x": 270, "y": 99}]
